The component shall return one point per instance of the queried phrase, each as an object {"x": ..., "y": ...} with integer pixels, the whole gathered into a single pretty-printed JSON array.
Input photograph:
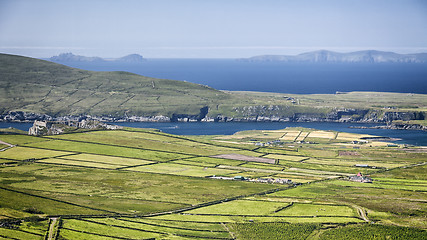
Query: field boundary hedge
[
  {"x": 273, "y": 216},
  {"x": 284, "y": 207}
]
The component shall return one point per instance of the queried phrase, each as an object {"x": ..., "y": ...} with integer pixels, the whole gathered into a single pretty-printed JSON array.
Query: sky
[{"x": 209, "y": 28}]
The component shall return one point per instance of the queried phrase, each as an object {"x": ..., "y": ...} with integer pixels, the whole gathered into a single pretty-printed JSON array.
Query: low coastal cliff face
[
  {"x": 407, "y": 126},
  {"x": 40, "y": 128},
  {"x": 254, "y": 114}
]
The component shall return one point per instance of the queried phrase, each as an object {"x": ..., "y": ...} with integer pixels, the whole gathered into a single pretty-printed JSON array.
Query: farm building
[
  {"x": 362, "y": 165},
  {"x": 239, "y": 178},
  {"x": 220, "y": 177},
  {"x": 360, "y": 178}
]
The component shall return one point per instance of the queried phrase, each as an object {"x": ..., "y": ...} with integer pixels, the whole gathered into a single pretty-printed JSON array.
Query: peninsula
[
  {"x": 324, "y": 56},
  {"x": 69, "y": 57},
  {"x": 33, "y": 89}
]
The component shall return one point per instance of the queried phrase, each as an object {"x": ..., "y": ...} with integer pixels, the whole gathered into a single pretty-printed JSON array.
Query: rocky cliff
[
  {"x": 248, "y": 115},
  {"x": 58, "y": 127}
]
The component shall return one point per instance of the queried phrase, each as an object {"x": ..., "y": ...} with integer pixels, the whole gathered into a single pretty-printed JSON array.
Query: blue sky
[{"x": 210, "y": 28}]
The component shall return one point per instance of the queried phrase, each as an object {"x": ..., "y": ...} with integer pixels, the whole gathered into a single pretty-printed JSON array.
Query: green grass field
[
  {"x": 240, "y": 207},
  {"x": 183, "y": 170},
  {"x": 107, "y": 159},
  {"x": 71, "y": 162},
  {"x": 136, "y": 183},
  {"x": 26, "y": 153}
]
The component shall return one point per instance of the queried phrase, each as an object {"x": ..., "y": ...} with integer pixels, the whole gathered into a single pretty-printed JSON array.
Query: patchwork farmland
[{"x": 145, "y": 184}]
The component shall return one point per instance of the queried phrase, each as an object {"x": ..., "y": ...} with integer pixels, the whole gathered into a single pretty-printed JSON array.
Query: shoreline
[
  {"x": 399, "y": 126},
  {"x": 395, "y": 127},
  {"x": 385, "y": 125}
]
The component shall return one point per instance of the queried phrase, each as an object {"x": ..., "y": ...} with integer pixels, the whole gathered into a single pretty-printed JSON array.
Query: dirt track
[
  {"x": 8, "y": 144},
  {"x": 5, "y": 143}
]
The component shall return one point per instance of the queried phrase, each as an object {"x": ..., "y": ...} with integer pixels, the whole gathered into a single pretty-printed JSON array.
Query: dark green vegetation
[
  {"x": 141, "y": 184},
  {"x": 37, "y": 86},
  {"x": 273, "y": 231},
  {"x": 373, "y": 232},
  {"x": 281, "y": 230}
]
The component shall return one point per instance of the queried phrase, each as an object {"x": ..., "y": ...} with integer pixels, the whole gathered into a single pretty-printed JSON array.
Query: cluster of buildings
[
  {"x": 272, "y": 143},
  {"x": 261, "y": 180},
  {"x": 292, "y": 99},
  {"x": 273, "y": 180}
]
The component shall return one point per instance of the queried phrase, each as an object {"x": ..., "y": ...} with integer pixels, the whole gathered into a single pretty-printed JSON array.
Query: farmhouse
[
  {"x": 362, "y": 165},
  {"x": 359, "y": 142},
  {"x": 240, "y": 178},
  {"x": 220, "y": 177},
  {"x": 283, "y": 181},
  {"x": 360, "y": 178}
]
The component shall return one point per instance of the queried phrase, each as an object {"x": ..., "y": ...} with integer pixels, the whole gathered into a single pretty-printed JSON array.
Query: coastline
[
  {"x": 399, "y": 125},
  {"x": 395, "y": 126},
  {"x": 164, "y": 119}
]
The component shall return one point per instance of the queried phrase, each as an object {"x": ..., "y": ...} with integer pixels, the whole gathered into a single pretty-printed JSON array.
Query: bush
[{"x": 32, "y": 210}]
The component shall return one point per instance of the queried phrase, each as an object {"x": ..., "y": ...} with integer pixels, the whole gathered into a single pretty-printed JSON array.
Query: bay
[
  {"x": 295, "y": 78},
  {"x": 413, "y": 137}
]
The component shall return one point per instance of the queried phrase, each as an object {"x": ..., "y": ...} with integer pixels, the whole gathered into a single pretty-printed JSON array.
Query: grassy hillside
[{"x": 37, "y": 86}]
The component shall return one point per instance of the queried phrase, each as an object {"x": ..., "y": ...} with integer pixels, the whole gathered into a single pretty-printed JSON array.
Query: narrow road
[
  {"x": 362, "y": 213},
  {"x": 7, "y": 144},
  {"x": 52, "y": 228},
  {"x": 228, "y": 230}
]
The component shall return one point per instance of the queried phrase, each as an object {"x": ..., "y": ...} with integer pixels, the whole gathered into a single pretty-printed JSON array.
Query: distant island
[
  {"x": 69, "y": 57},
  {"x": 324, "y": 56}
]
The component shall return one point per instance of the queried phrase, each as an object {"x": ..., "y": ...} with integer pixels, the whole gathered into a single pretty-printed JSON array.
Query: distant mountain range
[
  {"x": 69, "y": 57},
  {"x": 324, "y": 56}
]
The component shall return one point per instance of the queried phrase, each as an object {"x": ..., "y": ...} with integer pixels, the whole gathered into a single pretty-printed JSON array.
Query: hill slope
[{"x": 33, "y": 85}]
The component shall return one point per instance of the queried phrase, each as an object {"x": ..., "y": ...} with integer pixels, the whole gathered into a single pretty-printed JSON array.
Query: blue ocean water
[
  {"x": 418, "y": 138},
  {"x": 413, "y": 137},
  {"x": 304, "y": 78}
]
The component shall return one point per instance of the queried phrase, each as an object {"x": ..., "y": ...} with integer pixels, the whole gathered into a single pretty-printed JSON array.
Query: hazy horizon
[
  {"x": 113, "y": 58},
  {"x": 210, "y": 29}
]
